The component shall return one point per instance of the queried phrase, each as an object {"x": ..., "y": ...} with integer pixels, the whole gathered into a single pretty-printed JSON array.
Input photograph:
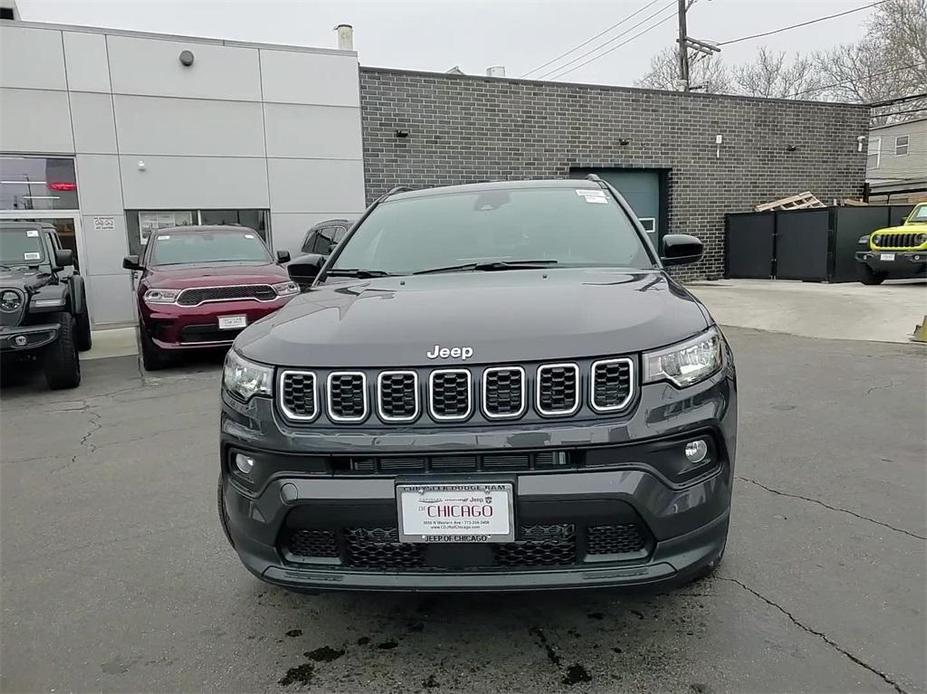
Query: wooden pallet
[{"x": 802, "y": 201}]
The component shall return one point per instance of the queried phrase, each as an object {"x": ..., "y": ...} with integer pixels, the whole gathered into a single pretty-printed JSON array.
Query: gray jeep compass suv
[{"x": 485, "y": 387}]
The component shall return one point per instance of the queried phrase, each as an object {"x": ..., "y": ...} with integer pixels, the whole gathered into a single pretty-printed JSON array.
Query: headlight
[
  {"x": 10, "y": 300},
  {"x": 876, "y": 240},
  {"x": 686, "y": 363},
  {"x": 920, "y": 238},
  {"x": 286, "y": 288},
  {"x": 245, "y": 379},
  {"x": 161, "y": 296},
  {"x": 863, "y": 240}
]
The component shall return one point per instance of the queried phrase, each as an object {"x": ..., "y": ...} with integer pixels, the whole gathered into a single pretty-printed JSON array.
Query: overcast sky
[{"x": 438, "y": 34}]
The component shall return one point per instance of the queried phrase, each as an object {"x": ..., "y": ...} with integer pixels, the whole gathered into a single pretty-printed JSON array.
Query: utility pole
[{"x": 683, "y": 47}]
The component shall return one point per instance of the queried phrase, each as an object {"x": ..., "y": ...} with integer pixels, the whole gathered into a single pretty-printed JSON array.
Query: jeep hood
[
  {"x": 25, "y": 279},
  {"x": 512, "y": 316}
]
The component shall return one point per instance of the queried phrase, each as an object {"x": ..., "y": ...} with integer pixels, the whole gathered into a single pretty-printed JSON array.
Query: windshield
[
  {"x": 193, "y": 247},
  {"x": 558, "y": 226},
  {"x": 21, "y": 247},
  {"x": 919, "y": 214}
]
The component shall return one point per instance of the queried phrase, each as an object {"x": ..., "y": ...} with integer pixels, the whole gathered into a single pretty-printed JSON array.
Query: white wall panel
[
  {"x": 31, "y": 58},
  {"x": 194, "y": 182},
  {"x": 153, "y": 125},
  {"x": 289, "y": 228},
  {"x": 110, "y": 299},
  {"x": 98, "y": 187},
  {"x": 32, "y": 120},
  {"x": 86, "y": 63},
  {"x": 310, "y": 78},
  {"x": 313, "y": 131},
  {"x": 316, "y": 185},
  {"x": 94, "y": 129},
  {"x": 152, "y": 66},
  {"x": 104, "y": 250}
]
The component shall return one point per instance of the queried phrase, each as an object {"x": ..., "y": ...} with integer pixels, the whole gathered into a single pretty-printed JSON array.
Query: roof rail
[
  {"x": 397, "y": 189},
  {"x": 593, "y": 177}
]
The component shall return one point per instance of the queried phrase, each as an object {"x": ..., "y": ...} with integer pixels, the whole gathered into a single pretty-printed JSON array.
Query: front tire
[
  {"x": 83, "y": 335},
  {"x": 62, "y": 364},
  {"x": 153, "y": 358},
  {"x": 869, "y": 276}
]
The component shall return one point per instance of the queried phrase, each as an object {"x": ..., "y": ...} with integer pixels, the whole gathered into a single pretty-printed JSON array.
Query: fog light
[
  {"x": 696, "y": 451},
  {"x": 244, "y": 463},
  {"x": 20, "y": 340}
]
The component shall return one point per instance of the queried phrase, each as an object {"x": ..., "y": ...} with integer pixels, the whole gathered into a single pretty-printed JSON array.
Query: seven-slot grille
[
  {"x": 198, "y": 295},
  {"x": 898, "y": 240},
  {"x": 397, "y": 396},
  {"x": 347, "y": 396},
  {"x": 298, "y": 397},
  {"x": 612, "y": 384},
  {"x": 504, "y": 392},
  {"x": 450, "y": 396},
  {"x": 558, "y": 391}
]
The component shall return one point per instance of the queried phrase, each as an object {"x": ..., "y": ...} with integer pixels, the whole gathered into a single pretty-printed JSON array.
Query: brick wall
[{"x": 465, "y": 129}]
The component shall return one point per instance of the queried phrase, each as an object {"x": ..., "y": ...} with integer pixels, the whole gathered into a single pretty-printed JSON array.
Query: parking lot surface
[{"x": 116, "y": 575}]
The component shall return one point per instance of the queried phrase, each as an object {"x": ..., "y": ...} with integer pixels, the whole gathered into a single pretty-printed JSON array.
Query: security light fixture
[{"x": 186, "y": 58}]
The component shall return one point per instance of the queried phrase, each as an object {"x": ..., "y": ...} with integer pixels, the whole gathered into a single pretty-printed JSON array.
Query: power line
[
  {"x": 899, "y": 99},
  {"x": 848, "y": 81},
  {"x": 801, "y": 24},
  {"x": 898, "y": 113},
  {"x": 672, "y": 15},
  {"x": 590, "y": 40}
]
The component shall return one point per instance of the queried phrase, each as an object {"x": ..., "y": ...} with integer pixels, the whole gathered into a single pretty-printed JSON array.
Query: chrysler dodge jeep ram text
[
  {"x": 200, "y": 285},
  {"x": 487, "y": 387}
]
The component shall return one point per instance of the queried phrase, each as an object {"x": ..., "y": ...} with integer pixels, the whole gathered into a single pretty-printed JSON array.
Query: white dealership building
[{"x": 109, "y": 134}]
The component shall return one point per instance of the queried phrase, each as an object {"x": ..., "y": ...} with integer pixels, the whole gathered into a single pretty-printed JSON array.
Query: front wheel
[
  {"x": 62, "y": 365},
  {"x": 83, "y": 336},
  {"x": 153, "y": 358},
  {"x": 869, "y": 276}
]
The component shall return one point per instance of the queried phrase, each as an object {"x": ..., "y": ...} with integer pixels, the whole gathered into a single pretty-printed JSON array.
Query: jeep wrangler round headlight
[
  {"x": 244, "y": 379},
  {"x": 688, "y": 362},
  {"x": 10, "y": 300}
]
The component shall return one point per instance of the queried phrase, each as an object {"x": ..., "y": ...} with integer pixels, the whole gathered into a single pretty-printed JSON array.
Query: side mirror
[
  {"x": 304, "y": 269},
  {"x": 283, "y": 257},
  {"x": 64, "y": 257},
  {"x": 130, "y": 262},
  {"x": 680, "y": 249}
]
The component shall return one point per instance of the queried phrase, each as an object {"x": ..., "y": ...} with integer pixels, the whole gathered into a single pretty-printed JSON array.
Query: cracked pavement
[{"x": 115, "y": 576}]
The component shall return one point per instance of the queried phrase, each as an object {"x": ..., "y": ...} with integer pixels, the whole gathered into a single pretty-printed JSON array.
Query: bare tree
[
  {"x": 771, "y": 75},
  {"x": 706, "y": 73},
  {"x": 890, "y": 62}
]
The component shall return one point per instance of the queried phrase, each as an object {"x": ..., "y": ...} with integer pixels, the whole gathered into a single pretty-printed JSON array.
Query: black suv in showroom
[{"x": 493, "y": 386}]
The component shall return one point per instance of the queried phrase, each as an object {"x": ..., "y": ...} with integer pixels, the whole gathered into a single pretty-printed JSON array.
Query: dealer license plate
[
  {"x": 232, "y": 322},
  {"x": 887, "y": 256},
  {"x": 481, "y": 512}
]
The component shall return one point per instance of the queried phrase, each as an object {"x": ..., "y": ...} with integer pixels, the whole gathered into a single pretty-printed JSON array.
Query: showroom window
[
  {"x": 140, "y": 223},
  {"x": 37, "y": 183}
]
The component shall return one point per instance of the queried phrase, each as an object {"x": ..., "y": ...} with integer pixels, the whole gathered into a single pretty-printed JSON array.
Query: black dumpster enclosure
[{"x": 815, "y": 245}]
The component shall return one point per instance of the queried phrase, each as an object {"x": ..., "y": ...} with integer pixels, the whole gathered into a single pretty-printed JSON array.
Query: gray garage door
[{"x": 640, "y": 188}]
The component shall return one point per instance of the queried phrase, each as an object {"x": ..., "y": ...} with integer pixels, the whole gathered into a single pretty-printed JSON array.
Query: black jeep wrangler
[{"x": 43, "y": 302}]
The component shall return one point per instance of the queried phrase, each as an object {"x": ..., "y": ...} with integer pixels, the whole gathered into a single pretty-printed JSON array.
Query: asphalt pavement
[{"x": 115, "y": 576}]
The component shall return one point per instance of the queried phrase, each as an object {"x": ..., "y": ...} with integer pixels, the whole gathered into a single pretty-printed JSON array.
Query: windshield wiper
[
  {"x": 357, "y": 272},
  {"x": 489, "y": 266}
]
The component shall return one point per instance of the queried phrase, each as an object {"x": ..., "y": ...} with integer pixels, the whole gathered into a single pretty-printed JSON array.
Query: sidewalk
[
  {"x": 851, "y": 311},
  {"x": 112, "y": 342}
]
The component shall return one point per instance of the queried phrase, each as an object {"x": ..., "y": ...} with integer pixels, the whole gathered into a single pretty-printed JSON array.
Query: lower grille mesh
[
  {"x": 615, "y": 539},
  {"x": 541, "y": 545},
  {"x": 314, "y": 542},
  {"x": 379, "y": 548}
]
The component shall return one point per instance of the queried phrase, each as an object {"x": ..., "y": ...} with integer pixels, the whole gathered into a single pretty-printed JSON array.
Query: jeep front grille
[
  {"x": 904, "y": 240},
  {"x": 298, "y": 396},
  {"x": 423, "y": 397},
  {"x": 200, "y": 295},
  {"x": 558, "y": 389},
  {"x": 397, "y": 396},
  {"x": 347, "y": 396},
  {"x": 449, "y": 394},
  {"x": 612, "y": 385},
  {"x": 504, "y": 392}
]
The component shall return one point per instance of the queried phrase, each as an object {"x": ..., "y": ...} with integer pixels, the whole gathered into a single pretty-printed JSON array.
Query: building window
[
  {"x": 37, "y": 183},
  {"x": 901, "y": 146},
  {"x": 649, "y": 224},
  {"x": 140, "y": 223},
  {"x": 873, "y": 152}
]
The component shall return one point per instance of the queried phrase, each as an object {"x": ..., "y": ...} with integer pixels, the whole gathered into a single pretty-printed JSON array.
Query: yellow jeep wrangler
[{"x": 895, "y": 252}]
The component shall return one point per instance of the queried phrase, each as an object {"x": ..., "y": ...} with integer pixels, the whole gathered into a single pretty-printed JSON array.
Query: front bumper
[
  {"x": 900, "y": 263},
  {"x": 26, "y": 338},
  {"x": 173, "y": 327},
  {"x": 684, "y": 521}
]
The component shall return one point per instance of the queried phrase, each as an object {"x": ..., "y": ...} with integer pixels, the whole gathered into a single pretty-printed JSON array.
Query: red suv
[{"x": 202, "y": 285}]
